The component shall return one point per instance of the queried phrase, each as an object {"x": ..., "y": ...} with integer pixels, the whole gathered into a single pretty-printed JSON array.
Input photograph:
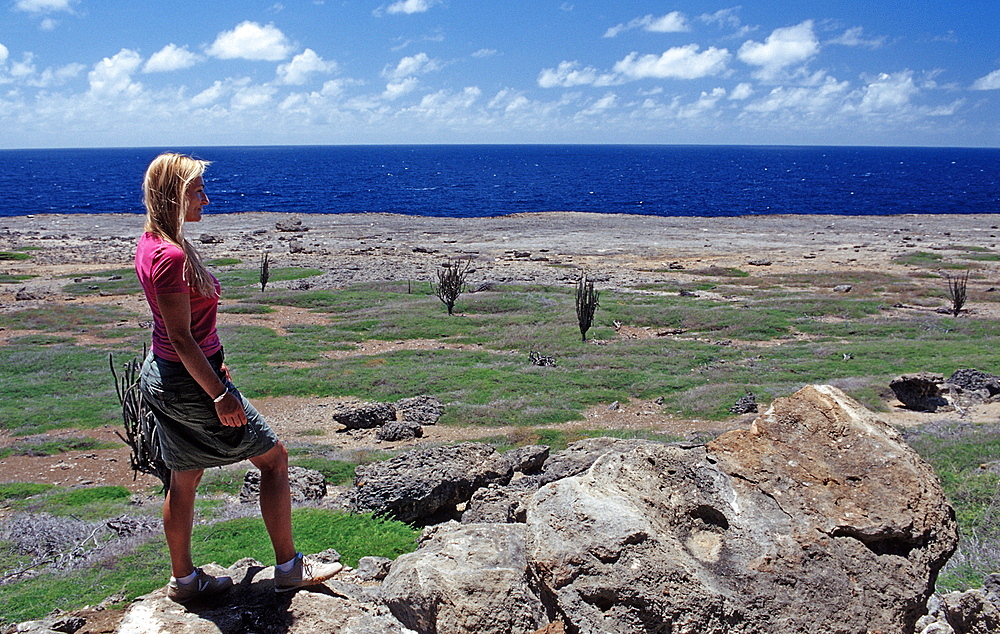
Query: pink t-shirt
[{"x": 160, "y": 267}]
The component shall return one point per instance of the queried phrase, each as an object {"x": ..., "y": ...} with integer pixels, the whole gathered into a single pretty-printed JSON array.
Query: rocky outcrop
[
  {"x": 364, "y": 415},
  {"x": 305, "y": 485},
  {"x": 970, "y": 612},
  {"x": 817, "y": 518},
  {"x": 423, "y": 484},
  {"x": 920, "y": 391},
  {"x": 423, "y": 409}
]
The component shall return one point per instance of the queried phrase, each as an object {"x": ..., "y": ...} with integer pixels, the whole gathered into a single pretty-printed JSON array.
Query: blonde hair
[{"x": 164, "y": 192}]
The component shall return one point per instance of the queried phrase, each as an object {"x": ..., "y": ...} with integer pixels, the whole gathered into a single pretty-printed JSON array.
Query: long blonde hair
[{"x": 164, "y": 192}]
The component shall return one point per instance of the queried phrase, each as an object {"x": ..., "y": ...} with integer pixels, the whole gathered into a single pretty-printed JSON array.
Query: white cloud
[
  {"x": 445, "y": 103},
  {"x": 413, "y": 65},
  {"x": 252, "y": 41},
  {"x": 409, "y": 7},
  {"x": 252, "y": 96},
  {"x": 61, "y": 75},
  {"x": 569, "y": 74},
  {"x": 810, "y": 100},
  {"x": 603, "y": 104},
  {"x": 673, "y": 22},
  {"x": 784, "y": 47},
  {"x": 681, "y": 62},
  {"x": 113, "y": 75},
  {"x": 48, "y": 24},
  {"x": 24, "y": 68},
  {"x": 722, "y": 17},
  {"x": 297, "y": 71},
  {"x": 855, "y": 37},
  {"x": 741, "y": 92},
  {"x": 394, "y": 90},
  {"x": 43, "y": 6},
  {"x": 706, "y": 102},
  {"x": 988, "y": 82},
  {"x": 3, "y": 54},
  {"x": 485, "y": 52},
  {"x": 889, "y": 92},
  {"x": 170, "y": 58}
]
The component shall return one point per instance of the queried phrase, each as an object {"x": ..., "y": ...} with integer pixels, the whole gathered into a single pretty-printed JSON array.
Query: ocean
[{"x": 495, "y": 180}]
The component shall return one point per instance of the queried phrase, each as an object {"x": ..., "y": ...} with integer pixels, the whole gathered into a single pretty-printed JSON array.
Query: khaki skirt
[{"x": 187, "y": 427}]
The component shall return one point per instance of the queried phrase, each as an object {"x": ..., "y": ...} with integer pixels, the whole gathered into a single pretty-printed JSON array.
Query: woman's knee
[{"x": 274, "y": 459}]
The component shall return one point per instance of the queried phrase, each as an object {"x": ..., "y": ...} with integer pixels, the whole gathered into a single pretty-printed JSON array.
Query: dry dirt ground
[{"x": 553, "y": 248}]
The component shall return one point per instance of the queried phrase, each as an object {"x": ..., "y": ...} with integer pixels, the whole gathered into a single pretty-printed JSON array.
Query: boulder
[
  {"x": 920, "y": 391},
  {"x": 253, "y": 606},
  {"x": 305, "y": 484},
  {"x": 466, "y": 578},
  {"x": 976, "y": 384},
  {"x": 500, "y": 504},
  {"x": 292, "y": 225},
  {"x": 528, "y": 459},
  {"x": 419, "y": 485},
  {"x": 399, "y": 430},
  {"x": 580, "y": 455},
  {"x": 816, "y": 519},
  {"x": 364, "y": 415},
  {"x": 969, "y": 612},
  {"x": 423, "y": 410}
]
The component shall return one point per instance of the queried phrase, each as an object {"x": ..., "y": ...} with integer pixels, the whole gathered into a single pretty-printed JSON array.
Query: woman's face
[{"x": 196, "y": 199}]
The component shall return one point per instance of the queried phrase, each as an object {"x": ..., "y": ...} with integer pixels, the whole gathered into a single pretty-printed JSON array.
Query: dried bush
[
  {"x": 956, "y": 292},
  {"x": 137, "y": 419},
  {"x": 265, "y": 270},
  {"x": 451, "y": 282},
  {"x": 586, "y": 304}
]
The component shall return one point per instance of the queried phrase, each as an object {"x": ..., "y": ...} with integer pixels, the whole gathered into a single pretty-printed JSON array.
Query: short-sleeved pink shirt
[{"x": 160, "y": 267}]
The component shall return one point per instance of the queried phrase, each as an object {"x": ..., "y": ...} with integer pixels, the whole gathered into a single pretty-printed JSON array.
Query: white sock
[
  {"x": 188, "y": 579},
  {"x": 288, "y": 565}
]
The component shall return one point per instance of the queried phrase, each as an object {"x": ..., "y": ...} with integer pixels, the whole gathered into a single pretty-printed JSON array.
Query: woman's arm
[{"x": 175, "y": 308}]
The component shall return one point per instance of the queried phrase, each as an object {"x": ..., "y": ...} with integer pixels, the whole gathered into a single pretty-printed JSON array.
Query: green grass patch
[
  {"x": 927, "y": 260},
  {"x": 62, "y": 317},
  {"x": 14, "y": 255},
  {"x": 114, "y": 282},
  {"x": 224, "y": 262},
  {"x": 45, "y": 446},
  {"x": 22, "y": 490},
  {"x": 956, "y": 452},
  {"x": 224, "y": 481},
  {"x": 246, "y": 309},
  {"x": 251, "y": 277},
  {"x": 148, "y": 567},
  {"x": 7, "y": 278},
  {"x": 335, "y": 472}
]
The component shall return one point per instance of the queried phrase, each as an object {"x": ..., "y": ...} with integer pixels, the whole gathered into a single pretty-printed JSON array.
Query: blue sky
[{"x": 88, "y": 73}]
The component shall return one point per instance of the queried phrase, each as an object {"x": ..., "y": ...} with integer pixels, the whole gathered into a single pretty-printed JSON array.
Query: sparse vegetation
[
  {"x": 957, "y": 294},
  {"x": 586, "y": 304},
  {"x": 451, "y": 282},
  {"x": 265, "y": 270}
]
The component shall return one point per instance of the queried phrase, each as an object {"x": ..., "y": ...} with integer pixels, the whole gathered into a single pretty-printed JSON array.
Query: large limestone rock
[
  {"x": 424, "y": 483},
  {"x": 253, "y": 606},
  {"x": 466, "y": 578},
  {"x": 816, "y": 519}
]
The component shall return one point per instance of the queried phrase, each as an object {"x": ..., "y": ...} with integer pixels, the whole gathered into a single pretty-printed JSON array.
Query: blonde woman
[{"x": 202, "y": 420}]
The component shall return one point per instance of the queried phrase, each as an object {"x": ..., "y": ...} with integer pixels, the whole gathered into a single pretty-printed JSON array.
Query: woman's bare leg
[
  {"x": 178, "y": 519},
  {"x": 276, "y": 500}
]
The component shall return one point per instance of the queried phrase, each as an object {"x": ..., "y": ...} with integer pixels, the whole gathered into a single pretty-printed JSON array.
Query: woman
[{"x": 201, "y": 418}]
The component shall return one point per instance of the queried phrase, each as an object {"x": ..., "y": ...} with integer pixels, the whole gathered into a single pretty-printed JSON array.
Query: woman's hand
[{"x": 230, "y": 411}]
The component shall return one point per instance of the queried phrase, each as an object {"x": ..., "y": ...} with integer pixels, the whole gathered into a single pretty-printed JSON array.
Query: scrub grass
[
  {"x": 142, "y": 569},
  {"x": 958, "y": 451},
  {"x": 45, "y": 446},
  {"x": 114, "y": 282}
]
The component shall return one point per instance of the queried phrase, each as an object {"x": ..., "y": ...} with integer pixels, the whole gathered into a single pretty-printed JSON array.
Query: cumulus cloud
[
  {"x": 888, "y": 92},
  {"x": 395, "y": 90},
  {"x": 706, "y": 102},
  {"x": 3, "y": 54},
  {"x": 409, "y": 7},
  {"x": 988, "y": 82},
  {"x": 113, "y": 75},
  {"x": 741, "y": 92},
  {"x": 306, "y": 63},
  {"x": 485, "y": 52},
  {"x": 784, "y": 47},
  {"x": 43, "y": 6},
  {"x": 252, "y": 41},
  {"x": 56, "y": 77},
  {"x": 170, "y": 57},
  {"x": 673, "y": 22},
  {"x": 48, "y": 24},
  {"x": 418, "y": 64},
  {"x": 603, "y": 104},
  {"x": 569, "y": 74},
  {"x": 810, "y": 100},
  {"x": 681, "y": 62}
]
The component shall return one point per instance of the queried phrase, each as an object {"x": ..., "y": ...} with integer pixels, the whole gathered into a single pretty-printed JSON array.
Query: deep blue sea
[{"x": 494, "y": 180}]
